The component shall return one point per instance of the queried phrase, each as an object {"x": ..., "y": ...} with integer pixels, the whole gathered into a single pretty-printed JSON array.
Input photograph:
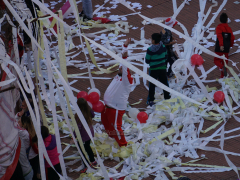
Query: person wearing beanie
[
  {"x": 156, "y": 57},
  {"x": 116, "y": 99},
  {"x": 225, "y": 40},
  {"x": 168, "y": 41}
]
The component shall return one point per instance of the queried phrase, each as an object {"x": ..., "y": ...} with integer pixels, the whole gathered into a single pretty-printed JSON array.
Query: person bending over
[{"x": 116, "y": 99}]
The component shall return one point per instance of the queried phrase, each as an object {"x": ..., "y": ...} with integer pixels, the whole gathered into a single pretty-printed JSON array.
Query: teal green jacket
[{"x": 157, "y": 56}]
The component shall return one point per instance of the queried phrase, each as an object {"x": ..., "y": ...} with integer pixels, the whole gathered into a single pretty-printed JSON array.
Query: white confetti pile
[{"x": 173, "y": 129}]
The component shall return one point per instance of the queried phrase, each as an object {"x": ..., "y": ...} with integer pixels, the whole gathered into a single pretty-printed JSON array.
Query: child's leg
[
  {"x": 171, "y": 61},
  {"x": 218, "y": 62},
  {"x": 122, "y": 141},
  {"x": 105, "y": 120},
  {"x": 89, "y": 151},
  {"x": 162, "y": 77},
  {"x": 52, "y": 175},
  {"x": 87, "y": 8},
  {"x": 148, "y": 86},
  {"x": 83, "y": 153},
  {"x": 151, "y": 94},
  {"x": 116, "y": 129},
  {"x": 35, "y": 166}
]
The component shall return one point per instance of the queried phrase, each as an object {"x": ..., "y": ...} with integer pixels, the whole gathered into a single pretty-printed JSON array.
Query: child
[
  {"x": 156, "y": 57},
  {"x": 88, "y": 115},
  {"x": 168, "y": 41},
  {"x": 29, "y": 138},
  {"x": 51, "y": 147},
  {"x": 225, "y": 40},
  {"x": 116, "y": 99}
]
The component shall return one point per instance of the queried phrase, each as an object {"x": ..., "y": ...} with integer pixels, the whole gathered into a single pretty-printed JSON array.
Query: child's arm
[
  {"x": 126, "y": 75},
  {"x": 79, "y": 125},
  {"x": 148, "y": 57}
]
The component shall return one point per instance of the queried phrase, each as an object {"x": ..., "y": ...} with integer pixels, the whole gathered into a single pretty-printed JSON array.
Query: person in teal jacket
[{"x": 156, "y": 57}]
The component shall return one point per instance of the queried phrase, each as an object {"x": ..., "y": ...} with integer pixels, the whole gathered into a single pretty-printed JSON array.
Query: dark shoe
[
  {"x": 81, "y": 14},
  {"x": 85, "y": 18},
  {"x": 170, "y": 75},
  {"x": 93, "y": 164},
  {"x": 83, "y": 170},
  {"x": 168, "y": 97},
  {"x": 151, "y": 103}
]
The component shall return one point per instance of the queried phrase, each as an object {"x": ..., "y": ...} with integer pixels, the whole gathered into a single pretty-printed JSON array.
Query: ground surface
[{"x": 188, "y": 17}]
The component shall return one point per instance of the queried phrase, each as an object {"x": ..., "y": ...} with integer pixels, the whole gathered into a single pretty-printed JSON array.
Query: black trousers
[
  {"x": 89, "y": 151},
  {"x": 35, "y": 166},
  {"x": 51, "y": 174},
  {"x": 17, "y": 174},
  {"x": 161, "y": 75},
  {"x": 171, "y": 59}
]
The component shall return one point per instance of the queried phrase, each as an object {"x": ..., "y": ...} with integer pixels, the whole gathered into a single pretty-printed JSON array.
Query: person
[
  {"x": 168, "y": 41},
  {"x": 29, "y": 138},
  {"x": 225, "y": 40},
  {"x": 88, "y": 115},
  {"x": 87, "y": 12},
  {"x": 51, "y": 147},
  {"x": 24, "y": 110},
  {"x": 116, "y": 99},
  {"x": 156, "y": 57},
  {"x": 25, "y": 164}
]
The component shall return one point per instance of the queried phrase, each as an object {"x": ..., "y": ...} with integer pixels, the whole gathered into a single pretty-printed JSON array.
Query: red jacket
[{"x": 223, "y": 27}]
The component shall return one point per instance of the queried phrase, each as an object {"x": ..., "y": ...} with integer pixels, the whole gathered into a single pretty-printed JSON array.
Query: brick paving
[{"x": 188, "y": 17}]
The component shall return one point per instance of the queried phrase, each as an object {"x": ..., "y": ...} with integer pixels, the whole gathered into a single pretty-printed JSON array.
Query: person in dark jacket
[
  {"x": 88, "y": 115},
  {"x": 225, "y": 40},
  {"x": 168, "y": 41},
  {"x": 156, "y": 57}
]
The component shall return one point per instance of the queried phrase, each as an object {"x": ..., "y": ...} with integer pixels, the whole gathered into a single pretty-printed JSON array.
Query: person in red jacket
[
  {"x": 51, "y": 147},
  {"x": 225, "y": 40}
]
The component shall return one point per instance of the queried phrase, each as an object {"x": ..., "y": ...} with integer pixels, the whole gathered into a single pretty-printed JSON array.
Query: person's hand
[
  {"x": 120, "y": 71},
  {"x": 174, "y": 42},
  {"x": 125, "y": 54},
  {"x": 24, "y": 106},
  {"x": 20, "y": 114},
  {"x": 127, "y": 42},
  {"x": 222, "y": 48},
  {"x": 163, "y": 31}
]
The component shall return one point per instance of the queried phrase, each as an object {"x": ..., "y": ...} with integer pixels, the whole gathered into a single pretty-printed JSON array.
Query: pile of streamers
[{"x": 154, "y": 148}]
